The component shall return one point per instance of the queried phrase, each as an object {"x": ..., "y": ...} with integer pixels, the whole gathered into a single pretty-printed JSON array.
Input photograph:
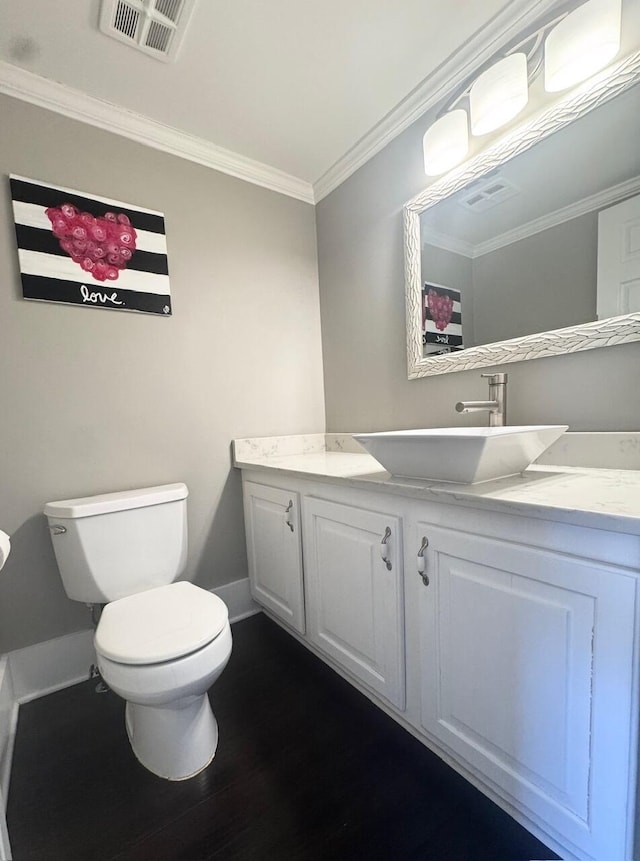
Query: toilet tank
[{"x": 118, "y": 544}]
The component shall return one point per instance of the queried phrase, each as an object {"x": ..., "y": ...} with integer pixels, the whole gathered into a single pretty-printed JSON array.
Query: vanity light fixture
[
  {"x": 499, "y": 94},
  {"x": 576, "y": 46},
  {"x": 582, "y": 44},
  {"x": 446, "y": 143}
]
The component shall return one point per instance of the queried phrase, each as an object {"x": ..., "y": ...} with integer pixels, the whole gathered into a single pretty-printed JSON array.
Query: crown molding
[
  {"x": 506, "y": 25},
  {"x": 599, "y": 200},
  {"x": 446, "y": 242},
  {"x": 28, "y": 87}
]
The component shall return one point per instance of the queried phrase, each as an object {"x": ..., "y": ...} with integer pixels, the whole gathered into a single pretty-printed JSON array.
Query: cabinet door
[
  {"x": 274, "y": 551},
  {"x": 526, "y": 661},
  {"x": 354, "y": 595}
]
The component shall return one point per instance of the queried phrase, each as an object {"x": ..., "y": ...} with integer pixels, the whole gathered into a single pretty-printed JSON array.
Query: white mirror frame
[{"x": 586, "y": 336}]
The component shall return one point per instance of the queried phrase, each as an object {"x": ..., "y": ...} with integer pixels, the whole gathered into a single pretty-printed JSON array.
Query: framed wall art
[{"x": 80, "y": 249}]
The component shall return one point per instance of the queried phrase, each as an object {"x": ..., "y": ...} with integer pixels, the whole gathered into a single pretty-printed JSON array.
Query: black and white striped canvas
[
  {"x": 441, "y": 320},
  {"x": 81, "y": 249}
]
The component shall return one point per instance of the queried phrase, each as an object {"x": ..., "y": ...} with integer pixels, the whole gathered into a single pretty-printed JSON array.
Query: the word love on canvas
[{"x": 81, "y": 249}]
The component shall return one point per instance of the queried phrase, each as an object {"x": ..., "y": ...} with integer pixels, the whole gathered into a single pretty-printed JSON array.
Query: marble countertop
[{"x": 598, "y": 498}]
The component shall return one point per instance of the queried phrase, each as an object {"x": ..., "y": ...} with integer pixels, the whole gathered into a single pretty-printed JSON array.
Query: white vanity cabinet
[
  {"x": 274, "y": 551},
  {"x": 507, "y": 642},
  {"x": 354, "y": 591},
  {"x": 526, "y": 678}
]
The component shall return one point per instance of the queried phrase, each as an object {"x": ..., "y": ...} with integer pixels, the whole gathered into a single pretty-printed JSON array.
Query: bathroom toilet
[{"x": 160, "y": 644}]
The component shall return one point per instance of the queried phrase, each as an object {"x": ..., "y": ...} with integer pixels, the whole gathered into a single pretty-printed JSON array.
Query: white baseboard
[
  {"x": 50, "y": 666},
  {"x": 5, "y": 846},
  {"x": 8, "y": 723},
  {"x": 55, "y": 664},
  {"x": 237, "y": 597}
]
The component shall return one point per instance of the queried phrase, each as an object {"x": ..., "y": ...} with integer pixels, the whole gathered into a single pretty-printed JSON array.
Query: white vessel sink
[{"x": 464, "y": 455}]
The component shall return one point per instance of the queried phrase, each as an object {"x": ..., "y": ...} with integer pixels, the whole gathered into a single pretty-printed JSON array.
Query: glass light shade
[
  {"x": 499, "y": 94},
  {"x": 446, "y": 143},
  {"x": 581, "y": 44}
]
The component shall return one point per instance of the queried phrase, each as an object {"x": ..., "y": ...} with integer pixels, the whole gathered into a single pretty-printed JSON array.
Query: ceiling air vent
[{"x": 155, "y": 27}]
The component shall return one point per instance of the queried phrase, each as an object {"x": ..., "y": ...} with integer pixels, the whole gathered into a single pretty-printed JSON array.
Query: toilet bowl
[
  {"x": 161, "y": 643},
  {"x": 152, "y": 650}
]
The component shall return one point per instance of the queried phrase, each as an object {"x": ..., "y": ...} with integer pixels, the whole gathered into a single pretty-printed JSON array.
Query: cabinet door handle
[
  {"x": 384, "y": 548},
  {"x": 422, "y": 562},
  {"x": 288, "y": 514}
]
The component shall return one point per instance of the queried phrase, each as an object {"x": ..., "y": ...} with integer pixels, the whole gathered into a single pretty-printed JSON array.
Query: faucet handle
[{"x": 496, "y": 379}]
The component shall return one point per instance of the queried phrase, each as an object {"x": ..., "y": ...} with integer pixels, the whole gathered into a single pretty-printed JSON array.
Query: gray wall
[
  {"x": 93, "y": 400},
  {"x": 546, "y": 281},
  {"x": 363, "y": 325}
]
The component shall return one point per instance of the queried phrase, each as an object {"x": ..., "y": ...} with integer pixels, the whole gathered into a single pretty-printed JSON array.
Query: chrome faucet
[{"x": 496, "y": 406}]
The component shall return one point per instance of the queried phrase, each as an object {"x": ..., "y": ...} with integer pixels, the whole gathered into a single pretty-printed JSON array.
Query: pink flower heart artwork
[
  {"x": 101, "y": 246},
  {"x": 440, "y": 308}
]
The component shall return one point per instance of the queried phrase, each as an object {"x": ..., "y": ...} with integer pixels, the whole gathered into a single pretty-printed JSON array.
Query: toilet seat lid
[{"x": 160, "y": 624}]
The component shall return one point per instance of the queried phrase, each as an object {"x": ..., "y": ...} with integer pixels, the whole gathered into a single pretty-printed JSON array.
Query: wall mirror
[{"x": 526, "y": 241}]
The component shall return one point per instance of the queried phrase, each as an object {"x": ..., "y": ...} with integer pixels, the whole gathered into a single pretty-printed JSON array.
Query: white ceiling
[{"x": 292, "y": 84}]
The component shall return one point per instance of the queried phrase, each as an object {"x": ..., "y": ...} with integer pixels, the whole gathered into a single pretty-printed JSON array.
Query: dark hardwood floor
[{"x": 307, "y": 769}]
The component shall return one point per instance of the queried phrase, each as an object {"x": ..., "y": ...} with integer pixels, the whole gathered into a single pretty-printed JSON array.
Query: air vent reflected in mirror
[{"x": 485, "y": 195}]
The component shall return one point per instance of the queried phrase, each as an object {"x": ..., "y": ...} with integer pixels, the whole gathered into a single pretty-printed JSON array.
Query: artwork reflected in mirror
[{"x": 441, "y": 319}]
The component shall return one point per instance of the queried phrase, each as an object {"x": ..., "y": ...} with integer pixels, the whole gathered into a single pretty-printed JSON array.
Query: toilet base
[{"x": 175, "y": 741}]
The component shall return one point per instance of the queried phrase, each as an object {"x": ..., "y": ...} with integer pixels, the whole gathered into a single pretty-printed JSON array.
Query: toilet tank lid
[{"x": 88, "y": 506}]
